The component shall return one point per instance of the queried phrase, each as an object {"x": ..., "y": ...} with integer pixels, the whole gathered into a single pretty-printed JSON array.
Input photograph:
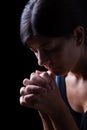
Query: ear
[{"x": 79, "y": 34}]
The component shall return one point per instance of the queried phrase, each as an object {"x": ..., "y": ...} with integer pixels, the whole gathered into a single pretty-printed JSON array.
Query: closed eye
[{"x": 33, "y": 50}]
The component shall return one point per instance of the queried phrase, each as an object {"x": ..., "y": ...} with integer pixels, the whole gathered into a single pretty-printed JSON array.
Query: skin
[
  {"x": 55, "y": 50},
  {"x": 56, "y": 54}
]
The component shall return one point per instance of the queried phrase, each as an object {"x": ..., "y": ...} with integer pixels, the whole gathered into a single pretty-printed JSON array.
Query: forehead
[{"x": 38, "y": 41}]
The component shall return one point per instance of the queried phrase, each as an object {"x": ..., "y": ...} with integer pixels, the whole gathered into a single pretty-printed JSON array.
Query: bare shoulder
[{"x": 76, "y": 91}]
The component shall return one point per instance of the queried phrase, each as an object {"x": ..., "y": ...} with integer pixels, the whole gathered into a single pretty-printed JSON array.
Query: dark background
[{"x": 24, "y": 62}]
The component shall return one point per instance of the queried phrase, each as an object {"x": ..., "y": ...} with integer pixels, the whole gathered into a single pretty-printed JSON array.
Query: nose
[{"x": 42, "y": 58}]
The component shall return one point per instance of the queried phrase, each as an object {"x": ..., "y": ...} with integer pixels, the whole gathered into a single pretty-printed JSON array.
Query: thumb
[{"x": 50, "y": 73}]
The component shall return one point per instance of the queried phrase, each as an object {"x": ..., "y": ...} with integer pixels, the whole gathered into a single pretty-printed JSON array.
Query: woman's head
[
  {"x": 52, "y": 18},
  {"x": 54, "y": 29}
]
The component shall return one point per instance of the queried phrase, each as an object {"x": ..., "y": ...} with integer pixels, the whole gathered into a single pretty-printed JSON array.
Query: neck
[{"x": 80, "y": 69}]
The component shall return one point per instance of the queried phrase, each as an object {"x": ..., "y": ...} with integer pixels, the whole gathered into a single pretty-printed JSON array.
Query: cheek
[
  {"x": 69, "y": 59},
  {"x": 57, "y": 59},
  {"x": 62, "y": 59}
]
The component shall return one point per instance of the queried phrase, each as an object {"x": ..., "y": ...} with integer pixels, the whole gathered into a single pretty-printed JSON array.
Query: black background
[{"x": 24, "y": 62}]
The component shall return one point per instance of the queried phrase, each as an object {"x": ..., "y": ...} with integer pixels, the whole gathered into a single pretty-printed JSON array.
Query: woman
[{"x": 56, "y": 31}]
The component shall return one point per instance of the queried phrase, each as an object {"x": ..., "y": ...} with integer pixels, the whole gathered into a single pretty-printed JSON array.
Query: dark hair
[{"x": 52, "y": 18}]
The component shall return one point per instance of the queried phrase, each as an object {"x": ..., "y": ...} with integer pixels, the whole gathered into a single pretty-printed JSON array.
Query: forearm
[
  {"x": 63, "y": 119},
  {"x": 47, "y": 125}
]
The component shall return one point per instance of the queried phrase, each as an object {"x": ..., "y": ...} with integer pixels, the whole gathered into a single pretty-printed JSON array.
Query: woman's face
[{"x": 58, "y": 55}]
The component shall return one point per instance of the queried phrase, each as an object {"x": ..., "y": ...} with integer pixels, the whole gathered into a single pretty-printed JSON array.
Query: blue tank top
[{"x": 80, "y": 118}]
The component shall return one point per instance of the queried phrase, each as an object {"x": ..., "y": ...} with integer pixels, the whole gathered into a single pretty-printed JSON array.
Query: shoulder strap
[{"x": 60, "y": 80}]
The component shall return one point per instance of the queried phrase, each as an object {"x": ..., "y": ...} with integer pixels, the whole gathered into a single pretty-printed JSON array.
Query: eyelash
[
  {"x": 45, "y": 49},
  {"x": 33, "y": 50}
]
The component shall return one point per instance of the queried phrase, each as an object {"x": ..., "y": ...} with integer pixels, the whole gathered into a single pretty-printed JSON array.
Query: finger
[
  {"x": 34, "y": 89},
  {"x": 46, "y": 77},
  {"x": 53, "y": 83},
  {"x": 32, "y": 101},
  {"x": 38, "y": 72},
  {"x": 29, "y": 100},
  {"x": 22, "y": 90},
  {"x": 22, "y": 100},
  {"x": 26, "y": 82},
  {"x": 29, "y": 97},
  {"x": 38, "y": 80},
  {"x": 51, "y": 74}
]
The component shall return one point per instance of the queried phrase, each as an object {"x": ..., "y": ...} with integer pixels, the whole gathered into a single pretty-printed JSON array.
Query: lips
[{"x": 47, "y": 67}]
